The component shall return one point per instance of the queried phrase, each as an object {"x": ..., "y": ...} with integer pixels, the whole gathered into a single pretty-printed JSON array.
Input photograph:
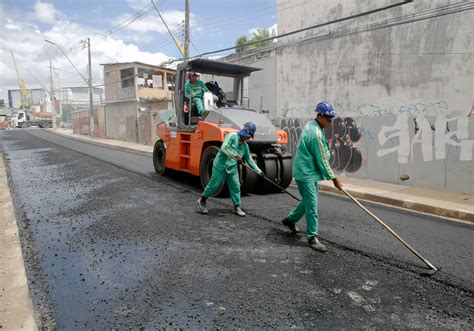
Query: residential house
[{"x": 135, "y": 94}]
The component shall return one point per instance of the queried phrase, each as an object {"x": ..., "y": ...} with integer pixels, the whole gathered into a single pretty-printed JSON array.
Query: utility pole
[
  {"x": 51, "y": 93},
  {"x": 91, "y": 94},
  {"x": 186, "y": 29},
  {"x": 167, "y": 28},
  {"x": 88, "y": 81},
  {"x": 60, "y": 96}
]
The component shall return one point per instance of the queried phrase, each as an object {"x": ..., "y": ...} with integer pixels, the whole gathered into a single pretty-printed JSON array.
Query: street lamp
[
  {"x": 88, "y": 81},
  {"x": 84, "y": 78}
]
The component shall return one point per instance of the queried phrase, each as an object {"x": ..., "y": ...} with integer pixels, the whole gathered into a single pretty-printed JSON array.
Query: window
[{"x": 127, "y": 77}]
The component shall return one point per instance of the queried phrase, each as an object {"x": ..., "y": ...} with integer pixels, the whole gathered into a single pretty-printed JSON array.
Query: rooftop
[{"x": 137, "y": 63}]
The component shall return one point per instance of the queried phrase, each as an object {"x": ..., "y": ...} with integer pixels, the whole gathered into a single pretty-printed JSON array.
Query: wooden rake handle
[{"x": 428, "y": 263}]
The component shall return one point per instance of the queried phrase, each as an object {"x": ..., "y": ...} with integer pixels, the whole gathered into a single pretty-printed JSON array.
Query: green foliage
[
  {"x": 67, "y": 116},
  {"x": 240, "y": 43},
  {"x": 257, "y": 35}
]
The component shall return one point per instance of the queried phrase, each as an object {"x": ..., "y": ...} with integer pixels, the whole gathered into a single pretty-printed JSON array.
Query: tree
[
  {"x": 257, "y": 36},
  {"x": 241, "y": 44},
  {"x": 262, "y": 34}
]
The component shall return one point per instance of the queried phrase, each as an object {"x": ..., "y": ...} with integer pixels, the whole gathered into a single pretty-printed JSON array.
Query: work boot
[
  {"x": 293, "y": 228},
  {"x": 239, "y": 211},
  {"x": 202, "y": 206},
  {"x": 314, "y": 243}
]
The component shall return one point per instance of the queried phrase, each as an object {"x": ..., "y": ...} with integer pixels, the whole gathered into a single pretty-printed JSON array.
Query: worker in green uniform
[
  {"x": 194, "y": 91},
  {"x": 233, "y": 152},
  {"x": 311, "y": 165}
]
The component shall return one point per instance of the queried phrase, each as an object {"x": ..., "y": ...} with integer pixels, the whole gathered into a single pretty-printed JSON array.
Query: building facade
[
  {"x": 76, "y": 96},
  {"x": 400, "y": 80},
  {"x": 135, "y": 94}
]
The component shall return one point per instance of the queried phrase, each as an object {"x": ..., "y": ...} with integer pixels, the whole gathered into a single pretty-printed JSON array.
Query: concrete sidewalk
[
  {"x": 16, "y": 308},
  {"x": 459, "y": 206}
]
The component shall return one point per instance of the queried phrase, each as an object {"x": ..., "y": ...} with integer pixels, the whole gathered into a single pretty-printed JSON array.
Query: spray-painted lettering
[{"x": 432, "y": 145}]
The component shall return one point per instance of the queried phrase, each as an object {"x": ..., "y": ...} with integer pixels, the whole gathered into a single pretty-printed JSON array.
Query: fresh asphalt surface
[{"x": 109, "y": 244}]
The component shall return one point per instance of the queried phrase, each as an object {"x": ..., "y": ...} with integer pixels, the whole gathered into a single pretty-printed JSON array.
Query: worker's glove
[{"x": 239, "y": 161}]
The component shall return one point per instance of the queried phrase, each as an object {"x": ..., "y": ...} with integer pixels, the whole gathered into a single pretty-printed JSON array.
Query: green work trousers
[
  {"x": 229, "y": 175},
  {"x": 199, "y": 105},
  {"x": 307, "y": 206}
]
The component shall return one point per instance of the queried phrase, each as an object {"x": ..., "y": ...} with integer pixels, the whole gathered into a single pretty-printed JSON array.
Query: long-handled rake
[
  {"x": 389, "y": 229},
  {"x": 428, "y": 263}
]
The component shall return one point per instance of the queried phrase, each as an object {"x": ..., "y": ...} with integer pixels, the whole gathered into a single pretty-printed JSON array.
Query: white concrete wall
[
  {"x": 387, "y": 76},
  {"x": 116, "y": 119},
  {"x": 260, "y": 87}
]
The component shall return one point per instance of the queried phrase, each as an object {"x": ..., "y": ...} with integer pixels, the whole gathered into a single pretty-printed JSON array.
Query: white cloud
[
  {"x": 139, "y": 4},
  {"x": 31, "y": 52},
  {"x": 45, "y": 12},
  {"x": 152, "y": 22},
  {"x": 272, "y": 29}
]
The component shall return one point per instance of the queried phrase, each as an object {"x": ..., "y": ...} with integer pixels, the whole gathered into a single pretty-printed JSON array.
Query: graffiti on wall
[
  {"x": 414, "y": 109},
  {"x": 436, "y": 132},
  {"x": 432, "y": 138},
  {"x": 342, "y": 136},
  {"x": 344, "y": 133}
]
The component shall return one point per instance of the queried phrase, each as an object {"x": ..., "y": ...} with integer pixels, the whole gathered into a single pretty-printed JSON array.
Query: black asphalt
[{"x": 110, "y": 245}]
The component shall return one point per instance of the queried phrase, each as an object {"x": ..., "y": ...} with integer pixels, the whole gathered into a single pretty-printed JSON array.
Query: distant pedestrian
[
  {"x": 311, "y": 165},
  {"x": 234, "y": 151}
]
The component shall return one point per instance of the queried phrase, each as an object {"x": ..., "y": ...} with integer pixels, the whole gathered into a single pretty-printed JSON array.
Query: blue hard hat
[
  {"x": 248, "y": 130},
  {"x": 325, "y": 108}
]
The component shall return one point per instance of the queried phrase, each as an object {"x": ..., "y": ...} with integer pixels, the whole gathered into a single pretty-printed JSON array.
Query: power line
[
  {"x": 226, "y": 21},
  {"x": 405, "y": 19},
  {"x": 103, "y": 36},
  {"x": 166, "y": 25},
  {"x": 195, "y": 48},
  {"x": 304, "y": 29},
  {"x": 159, "y": 41},
  {"x": 122, "y": 25},
  {"x": 116, "y": 82},
  {"x": 221, "y": 23},
  {"x": 69, "y": 72}
]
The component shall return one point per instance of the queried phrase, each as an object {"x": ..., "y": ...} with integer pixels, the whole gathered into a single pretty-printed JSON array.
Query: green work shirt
[
  {"x": 198, "y": 89},
  {"x": 232, "y": 147},
  {"x": 311, "y": 162}
]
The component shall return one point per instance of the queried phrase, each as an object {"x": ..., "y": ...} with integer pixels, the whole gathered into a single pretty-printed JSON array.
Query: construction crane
[{"x": 25, "y": 96}]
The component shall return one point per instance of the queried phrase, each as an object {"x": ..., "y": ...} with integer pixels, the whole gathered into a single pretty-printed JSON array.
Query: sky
[{"x": 114, "y": 35}]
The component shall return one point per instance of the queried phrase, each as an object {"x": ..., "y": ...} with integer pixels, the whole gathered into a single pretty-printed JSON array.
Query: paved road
[{"x": 108, "y": 244}]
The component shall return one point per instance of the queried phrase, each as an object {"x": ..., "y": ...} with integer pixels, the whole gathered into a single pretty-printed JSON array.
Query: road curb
[
  {"x": 463, "y": 215},
  {"x": 98, "y": 143},
  {"x": 16, "y": 307}
]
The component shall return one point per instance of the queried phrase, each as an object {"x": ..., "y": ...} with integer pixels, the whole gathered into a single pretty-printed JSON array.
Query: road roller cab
[{"x": 189, "y": 143}]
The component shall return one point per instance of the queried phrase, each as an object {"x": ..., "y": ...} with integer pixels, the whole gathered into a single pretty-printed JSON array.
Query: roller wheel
[
  {"x": 286, "y": 172},
  {"x": 268, "y": 164},
  {"x": 205, "y": 170},
  {"x": 159, "y": 158},
  {"x": 249, "y": 180}
]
